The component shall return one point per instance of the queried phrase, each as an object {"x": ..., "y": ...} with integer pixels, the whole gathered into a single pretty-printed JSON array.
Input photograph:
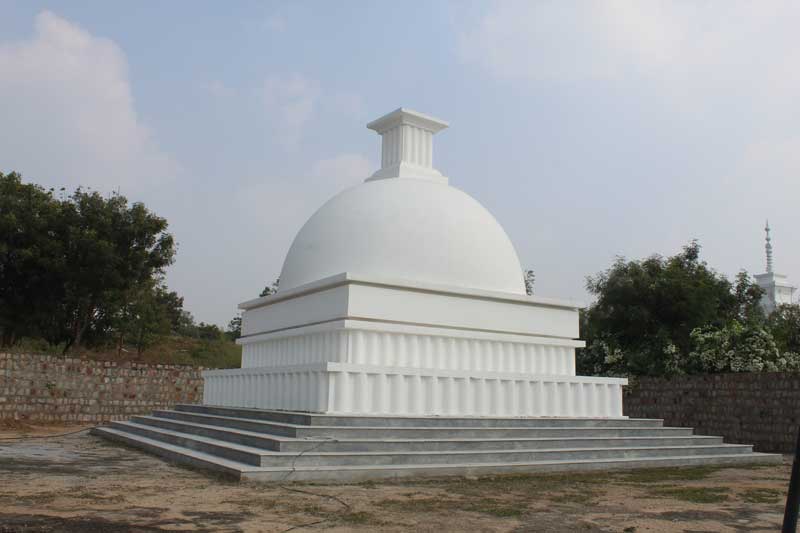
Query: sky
[{"x": 589, "y": 129}]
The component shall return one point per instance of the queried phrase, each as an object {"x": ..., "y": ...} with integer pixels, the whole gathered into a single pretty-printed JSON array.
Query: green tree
[
  {"x": 646, "y": 311},
  {"x": 144, "y": 316},
  {"x": 270, "y": 289},
  {"x": 110, "y": 248},
  {"x": 209, "y": 332},
  {"x": 186, "y": 325},
  {"x": 738, "y": 347},
  {"x": 784, "y": 324},
  {"x": 31, "y": 261},
  {"x": 234, "y": 330}
]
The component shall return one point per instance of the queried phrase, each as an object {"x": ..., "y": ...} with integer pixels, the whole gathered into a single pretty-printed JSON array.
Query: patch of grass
[
  {"x": 582, "y": 498},
  {"x": 658, "y": 475},
  {"x": 419, "y": 505},
  {"x": 522, "y": 484},
  {"x": 694, "y": 494},
  {"x": 761, "y": 495},
  {"x": 498, "y": 508},
  {"x": 490, "y": 506}
]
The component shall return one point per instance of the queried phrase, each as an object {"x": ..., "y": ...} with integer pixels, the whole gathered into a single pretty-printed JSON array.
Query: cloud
[
  {"x": 70, "y": 117},
  {"x": 290, "y": 103},
  {"x": 699, "y": 43}
]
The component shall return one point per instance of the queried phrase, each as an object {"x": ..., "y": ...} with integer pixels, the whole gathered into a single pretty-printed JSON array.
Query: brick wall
[
  {"x": 762, "y": 409},
  {"x": 45, "y": 388}
]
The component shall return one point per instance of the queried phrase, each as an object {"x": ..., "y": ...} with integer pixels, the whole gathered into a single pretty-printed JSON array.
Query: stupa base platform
[{"x": 279, "y": 446}]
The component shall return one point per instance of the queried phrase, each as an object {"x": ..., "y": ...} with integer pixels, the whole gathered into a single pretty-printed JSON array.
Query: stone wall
[
  {"x": 762, "y": 409},
  {"x": 42, "y": 388}
]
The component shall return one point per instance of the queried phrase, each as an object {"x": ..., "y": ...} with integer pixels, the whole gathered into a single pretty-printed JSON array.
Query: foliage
[
  {"x": 234, "y": 330},
  {"x": 269, "y": 290},
  {"x": 82, "y": 269},
  {"x": 209, "y": 332},
  {"x": 32, "y": 258},
  {"x": 111, "y": 250},
  {"x": 530, "y": 279},
  {"x": 647, "y": 311},
  {"x": 739, "y": 347},
  {"x": 784, "y": 323},
  {"x": 145, "y": 314}
]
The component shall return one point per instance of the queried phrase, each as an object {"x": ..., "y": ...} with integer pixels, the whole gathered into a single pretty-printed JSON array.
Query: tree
[
  {"x": 234, "y": 330},
  {"x": 186, "y": 325},
  {"x": 646, "y": 311},
  {"x": 110, "y": 249},
  {"x": 784, "y": 323},
  {"x": 530, "y": 279},
  {"x": 270, "y": 289},
  {"x": 69, "y": 265},
  {"x": 209, "y": 332},
  {"x": 739, "y": 347},
  {"x": 144, "y": 315},
  {"x": 31, "y": 261}
]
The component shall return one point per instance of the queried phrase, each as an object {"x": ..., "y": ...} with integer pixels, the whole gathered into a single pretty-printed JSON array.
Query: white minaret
[{"x": 777, "y": 288}]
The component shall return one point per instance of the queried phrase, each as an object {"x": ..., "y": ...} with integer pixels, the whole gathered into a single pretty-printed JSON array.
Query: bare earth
[{"x": 80, "y": 483}]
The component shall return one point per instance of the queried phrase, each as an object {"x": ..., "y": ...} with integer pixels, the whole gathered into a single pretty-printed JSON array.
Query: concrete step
[
  {"x": 311, "y": 419},
  {"x": 368, "y": 432},
  {"x": 286, "y": 444},
  {"x": 349, "y": 473},
  {"x": 255, "y": 439},
  {"x": 316, "y": 458},
  {"x": 314, "y": 454},
  {"x": 177, "y": 454},
  {"x": 217, "y": 448}
]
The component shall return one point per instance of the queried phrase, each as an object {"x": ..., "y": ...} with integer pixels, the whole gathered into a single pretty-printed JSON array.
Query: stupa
[
  {"x": 404, "y": 296},
  {"x": 402, "y": 343}
]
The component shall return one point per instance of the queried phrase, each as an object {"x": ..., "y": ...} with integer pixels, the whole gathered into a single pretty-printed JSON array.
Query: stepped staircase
[{"x": 266, "y": 445}]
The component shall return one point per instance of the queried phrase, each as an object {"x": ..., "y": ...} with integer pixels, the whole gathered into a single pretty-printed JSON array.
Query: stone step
[
  {"x": 344, "y": 473},
  {"x": 314, "y": 455},
  {"x": 217, "y": 448},
  {"x": 312, "y": 419},
  {"x": 286, "y": 444},
  {"x": 365, "y": 432}
]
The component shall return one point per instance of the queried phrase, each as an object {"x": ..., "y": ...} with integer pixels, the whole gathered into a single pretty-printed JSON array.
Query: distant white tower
[{"x": 777, "y": 288}]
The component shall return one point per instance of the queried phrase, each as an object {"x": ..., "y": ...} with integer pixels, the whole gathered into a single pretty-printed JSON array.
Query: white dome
[{"x": 410, "y": 229}]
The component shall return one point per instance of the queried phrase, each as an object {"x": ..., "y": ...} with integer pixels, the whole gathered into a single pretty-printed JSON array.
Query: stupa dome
[{"x": 405, "y": 223}]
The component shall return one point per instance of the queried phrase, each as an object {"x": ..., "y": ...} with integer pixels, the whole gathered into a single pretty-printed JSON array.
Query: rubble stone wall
[
  {"x": 45, "y": 388},
  {"x": 762, "y": 409}
]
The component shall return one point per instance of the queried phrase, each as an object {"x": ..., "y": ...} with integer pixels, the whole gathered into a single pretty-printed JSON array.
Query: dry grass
[{"x": 79, "y": 483}]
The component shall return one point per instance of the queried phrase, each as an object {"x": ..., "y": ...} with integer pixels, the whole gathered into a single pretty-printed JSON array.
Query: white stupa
[
  {"x": 777, "y": 288},
  {"x": 404, "y": 296}
]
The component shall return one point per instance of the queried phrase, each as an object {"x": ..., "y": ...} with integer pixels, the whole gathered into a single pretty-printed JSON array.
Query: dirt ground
[{"x": 79, "y": 483}]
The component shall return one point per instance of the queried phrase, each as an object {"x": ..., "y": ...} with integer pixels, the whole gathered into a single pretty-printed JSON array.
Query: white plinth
[{"x": 353, "y": 345}]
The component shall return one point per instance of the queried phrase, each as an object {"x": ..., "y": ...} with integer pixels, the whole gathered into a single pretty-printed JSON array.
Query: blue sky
[{"x": 590, "y": 130}]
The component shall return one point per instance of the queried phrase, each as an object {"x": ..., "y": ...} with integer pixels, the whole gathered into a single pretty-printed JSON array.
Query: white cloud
[
  {"x": 709, "y": 43},
  {"x": 290, "y": 103},
  {"x": 69, "y": 113}
]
